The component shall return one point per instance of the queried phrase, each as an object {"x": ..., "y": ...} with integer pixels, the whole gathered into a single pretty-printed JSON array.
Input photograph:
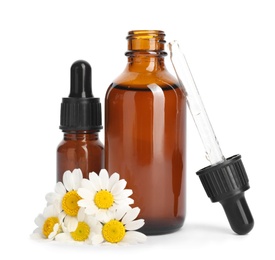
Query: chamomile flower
[
  {"x": 101, "y": 194},
  {"x": 66, "y": 198},
  {"x": 48, "y": 223},
  {"x": 87, "y": 228},
  {"x": 121, "y": 226}
]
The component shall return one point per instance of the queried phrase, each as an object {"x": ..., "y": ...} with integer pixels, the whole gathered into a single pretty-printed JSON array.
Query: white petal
[
  {"x": 91, "y": 209},
  {"x": 85, "y": 194},
  {"x": 97, "y": 239},
  {"x": 132, "y": 237},
  {"x": 39, "y": 220},
  {"x": 97, "y": 228},
  {"x": 130, "y": 215},
  {"x": 123, "y": 194},
  {"x": 59, "y": 188},
  {"x": 120, "y": 212},
  {"x": 68, "y": 180},
  {"x": 110, "y": 214},
  {"x": 91, "y": 221},
  {"x": 55, "y": 200},
  {"x": 52, "y": 197},
  {"x": 127, "y": 192},
  {"x": 56, "y": 227},
  {"x": 118, "y": 187},
  {"x": 71, "y": 223},
  {"x": 63, "y": 237},
  {"x": 76, "y": 178},
  {"x": 102, "y": 215},
  {"x": 134, "y": 225},
  {"x": 122, "y": 202},
  {"x": 81, "y": 214},
  {"x": 36, "y": 235},
  {"x": 83, "y": 203},
  {"x": 72, "y": 180},
  {"x": 113, "y": 179},
  {"x": 94, "y": 178},
  {"x": 54, "y": 232},
  {"x": 104, "y": 179},
  {"x": 52, "y": 235},
  {"x": 49, "y": 211},
  {"x": 95, "y": 225},
  {"x": 87, "y": 184},
  {"x": 61, "y": 216},
  {"x": 57, "y": 207}
]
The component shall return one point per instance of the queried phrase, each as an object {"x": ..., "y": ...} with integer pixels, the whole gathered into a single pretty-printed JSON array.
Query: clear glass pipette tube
[{"x": 195, "y": 104}]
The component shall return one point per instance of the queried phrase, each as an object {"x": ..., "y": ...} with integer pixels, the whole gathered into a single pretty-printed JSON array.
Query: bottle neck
[
  {"x": 146, "y": 50},
  {"x": 143, "y": 62},
  {"x": 80, "y": 135}
]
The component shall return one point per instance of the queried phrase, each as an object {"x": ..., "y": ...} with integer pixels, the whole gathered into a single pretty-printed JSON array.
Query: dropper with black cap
[
  {"x": 80, "y": 120},
  {"x": 225, "y": 180}
]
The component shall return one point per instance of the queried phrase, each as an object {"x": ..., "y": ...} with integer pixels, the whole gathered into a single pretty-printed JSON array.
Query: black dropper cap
[
  {"x": 81, "y": 111},
  {"x": 226, "y": 183}
]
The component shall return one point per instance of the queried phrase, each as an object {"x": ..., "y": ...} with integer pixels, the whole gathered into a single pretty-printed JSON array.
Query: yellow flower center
[
  {"x": 104, "y": 199},
  {"x": 48, "y": 225},
  {"x": 113, "y": 231},
  {"x": 82, "y": 232},
  {"x": 69, "y": 203}
]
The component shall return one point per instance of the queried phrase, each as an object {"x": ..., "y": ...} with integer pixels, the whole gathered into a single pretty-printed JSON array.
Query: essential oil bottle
[
  {"x": 80, "y": 122},
  {"x": 145, "y": 132}
]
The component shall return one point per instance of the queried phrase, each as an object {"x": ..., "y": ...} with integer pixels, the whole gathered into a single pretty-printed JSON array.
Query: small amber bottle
[
  {"x": 145, "y": 131},
  {"x": 80, "y": 121}
]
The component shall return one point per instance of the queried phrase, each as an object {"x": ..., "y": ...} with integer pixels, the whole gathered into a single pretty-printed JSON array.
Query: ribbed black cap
[
  {"x": 226, "y": 183},
  {"x": 81, "y": 110}
]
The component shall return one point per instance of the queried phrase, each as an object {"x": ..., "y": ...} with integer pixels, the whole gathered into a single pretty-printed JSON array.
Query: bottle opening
[{"x": 145, "y": 34}]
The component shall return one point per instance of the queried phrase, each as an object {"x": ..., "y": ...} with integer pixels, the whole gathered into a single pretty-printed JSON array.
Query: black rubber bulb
[
  {"x": 81, "y": 80},
  {"x": 238, "y": 214}
]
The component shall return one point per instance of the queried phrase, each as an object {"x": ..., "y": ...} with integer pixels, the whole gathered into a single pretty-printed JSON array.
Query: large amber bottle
[{"x": 145, "y": 131}]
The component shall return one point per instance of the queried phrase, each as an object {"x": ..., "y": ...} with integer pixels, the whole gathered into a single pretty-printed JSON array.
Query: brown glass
[
  {"x": 145, "y": 129},
  {"x": 81, "y": 150}
]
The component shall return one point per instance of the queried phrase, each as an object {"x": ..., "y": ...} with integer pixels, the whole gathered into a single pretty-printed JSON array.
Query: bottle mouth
[
  {"x": 145, "y": 34},
  {"x": 146, "y": 41}
]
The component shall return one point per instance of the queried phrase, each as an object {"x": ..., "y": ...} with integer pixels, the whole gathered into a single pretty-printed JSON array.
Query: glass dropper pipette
[
  {"x": 225, "y": 180},
  {"x": 195, "y": 104}
]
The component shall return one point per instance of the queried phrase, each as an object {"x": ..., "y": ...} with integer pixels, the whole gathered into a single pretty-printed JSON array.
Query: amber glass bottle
[
  {"x": 81, "y": 123},
  {"x": 79, "y": 149},
  {"x": 145, "y": 130}
]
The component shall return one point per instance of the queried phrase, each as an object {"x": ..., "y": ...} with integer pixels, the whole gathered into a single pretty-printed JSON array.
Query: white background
[{"x": 230, "y": 49}]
